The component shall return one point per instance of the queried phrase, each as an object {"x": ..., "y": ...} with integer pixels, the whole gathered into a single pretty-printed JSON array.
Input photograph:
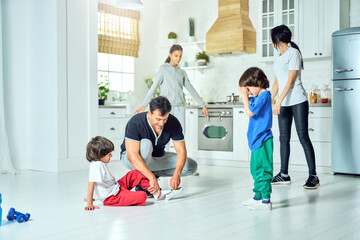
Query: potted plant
[
  {"x": 172, "y": 37},
  {"x": 202, "y": 59},
  {"x": 103, "y": 89},
  {"x": 149, "y": 82},
  {"x": 192, "y": 37}
]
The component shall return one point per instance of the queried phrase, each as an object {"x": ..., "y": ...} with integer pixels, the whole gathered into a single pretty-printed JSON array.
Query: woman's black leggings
[{"x": 300, "y": 113}]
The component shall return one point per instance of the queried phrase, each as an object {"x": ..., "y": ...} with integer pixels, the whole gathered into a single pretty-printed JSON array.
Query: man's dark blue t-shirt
[{"x": 139, "y": 128}]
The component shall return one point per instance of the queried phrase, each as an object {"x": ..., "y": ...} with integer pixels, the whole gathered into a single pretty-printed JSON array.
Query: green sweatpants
[{"x": 261, "y": 168}]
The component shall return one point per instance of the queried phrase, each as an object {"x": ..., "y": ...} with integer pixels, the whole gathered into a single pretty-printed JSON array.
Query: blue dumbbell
[{"x": 18, "y": 216}]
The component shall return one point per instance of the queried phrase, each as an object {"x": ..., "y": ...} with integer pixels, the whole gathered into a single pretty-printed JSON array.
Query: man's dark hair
[
  {"x": 98, "y": 148},
  {"x": 161, "y": 103}
]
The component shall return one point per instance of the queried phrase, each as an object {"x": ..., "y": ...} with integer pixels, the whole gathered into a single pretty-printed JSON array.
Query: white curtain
[{"x": 5, "y": 161}]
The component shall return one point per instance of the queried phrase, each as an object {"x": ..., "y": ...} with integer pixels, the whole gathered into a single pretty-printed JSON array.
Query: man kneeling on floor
[{"x": 143, "y": 149}]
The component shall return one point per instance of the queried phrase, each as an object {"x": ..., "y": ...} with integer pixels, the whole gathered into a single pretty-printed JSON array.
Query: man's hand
[
  {"x": 175, "y": 181},
  {"x": 154, "y": 186}
]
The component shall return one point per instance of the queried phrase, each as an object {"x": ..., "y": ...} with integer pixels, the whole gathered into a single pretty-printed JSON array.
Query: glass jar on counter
[
  {"x": 314, "y": 94},
  {"x": 325, "y": 94}
]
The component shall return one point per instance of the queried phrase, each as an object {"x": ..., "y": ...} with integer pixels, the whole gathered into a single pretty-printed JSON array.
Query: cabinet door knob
[
  {"x": 311, "y": 112},
  {"x": 241, "y": 111},
  {"x": 315, "y": 54},
  {"x": 311, "y": 130},
  {"x": 112, "y": 113},
  {"x": 320, "y": 54},
  {"x": 112, "y": 129},
  {"x": 191, "y": 112}
]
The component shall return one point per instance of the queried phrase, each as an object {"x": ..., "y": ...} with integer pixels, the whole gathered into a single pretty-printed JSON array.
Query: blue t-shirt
[
  {"x": 260, "y": 124},
  {"x": 138, "y": 127}
]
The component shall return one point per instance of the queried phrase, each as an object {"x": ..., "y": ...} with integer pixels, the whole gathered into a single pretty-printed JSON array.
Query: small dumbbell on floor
[{"x": 18, "y": 216}]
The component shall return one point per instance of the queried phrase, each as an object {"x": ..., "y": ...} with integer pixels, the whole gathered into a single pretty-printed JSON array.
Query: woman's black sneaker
[
  {"x": 280, "y": 180},
  {"x": 312, "y": 182}
]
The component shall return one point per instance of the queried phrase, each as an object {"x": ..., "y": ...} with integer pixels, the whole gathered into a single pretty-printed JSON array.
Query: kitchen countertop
[
  {"x": 114, "y": 106},
  {"x": 241, "y": 105}
]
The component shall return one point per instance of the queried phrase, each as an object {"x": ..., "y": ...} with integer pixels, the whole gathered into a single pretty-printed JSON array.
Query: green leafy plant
[
  {"x": 172, "y": 35},
  {"x": 202, "y": 55},
  {"x": 191, "y": 27},
  {"x": 149, "y": 82},
  {"x": 103, "y": 88}
]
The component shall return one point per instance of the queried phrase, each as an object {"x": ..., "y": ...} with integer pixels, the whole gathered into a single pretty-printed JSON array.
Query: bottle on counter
[
  {"x": 325, "y": 93},
  {"x": 314, "y": 94}
]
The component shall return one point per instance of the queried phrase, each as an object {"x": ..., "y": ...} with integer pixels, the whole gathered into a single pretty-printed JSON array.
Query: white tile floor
[{"x": 209, "y": 208}]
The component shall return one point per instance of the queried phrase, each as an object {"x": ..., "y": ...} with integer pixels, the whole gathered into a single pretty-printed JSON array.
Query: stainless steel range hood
[{"x": 232, "y": 30}]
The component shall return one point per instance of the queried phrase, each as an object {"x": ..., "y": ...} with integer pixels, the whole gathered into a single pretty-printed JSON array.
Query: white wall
[{"x": 50, "y": 81}]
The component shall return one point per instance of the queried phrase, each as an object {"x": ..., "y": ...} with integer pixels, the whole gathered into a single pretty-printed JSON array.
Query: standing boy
[{"x": 260, "y": 138}]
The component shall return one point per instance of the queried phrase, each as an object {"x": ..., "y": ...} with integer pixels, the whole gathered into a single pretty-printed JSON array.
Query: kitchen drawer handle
[
  {"x": 311, "y": 130},
  {"x": 341, "y": 70},
  {"x": 311, "y": 112},
  {"x": 191, "y": 112},
  {"x": 340, "y": 89},
  {"x": 112, "y": 129},
  {"x": 241, "y": 111},
  {"x": 112, "y": 113}
]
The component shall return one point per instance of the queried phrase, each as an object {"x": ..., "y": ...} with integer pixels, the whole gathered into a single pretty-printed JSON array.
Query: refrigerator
[{"x": 346, "y": 101}]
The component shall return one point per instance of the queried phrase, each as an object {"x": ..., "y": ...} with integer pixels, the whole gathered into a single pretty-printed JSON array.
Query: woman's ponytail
[{"x": 293, "y": 45}]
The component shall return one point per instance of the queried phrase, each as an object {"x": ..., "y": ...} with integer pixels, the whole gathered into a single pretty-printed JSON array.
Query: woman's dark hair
[
  {"x": 283, "y": 34},
  {"x": 98, "y": 148},
  {"x": 161, "y": 103},
  {"x": 173, "y": 48},
  {"x": 254, "y": 77}
]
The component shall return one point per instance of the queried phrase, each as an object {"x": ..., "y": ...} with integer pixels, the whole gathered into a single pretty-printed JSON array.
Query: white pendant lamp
[{"x": 129, "y": 4}]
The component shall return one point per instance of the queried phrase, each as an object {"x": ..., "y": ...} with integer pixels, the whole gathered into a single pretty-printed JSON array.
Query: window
[
  {"x": 119, "y": 70},
  {"x": 118, "y": 37}
]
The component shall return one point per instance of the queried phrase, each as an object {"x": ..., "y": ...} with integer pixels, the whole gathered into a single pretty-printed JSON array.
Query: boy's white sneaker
[
  {"x": 250, "y": 201},
  {"x": 261, "y": 206}
]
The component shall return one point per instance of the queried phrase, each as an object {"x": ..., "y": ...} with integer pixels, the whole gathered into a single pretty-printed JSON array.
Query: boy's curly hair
[
  {"x": 98, "y": 148},
  {"x": 254, "y": 77}
]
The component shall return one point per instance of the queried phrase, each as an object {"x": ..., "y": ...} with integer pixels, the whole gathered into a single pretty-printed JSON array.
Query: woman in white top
[
  {"x": 292, "y": 104},
  {"x": 172, "y": 80}
]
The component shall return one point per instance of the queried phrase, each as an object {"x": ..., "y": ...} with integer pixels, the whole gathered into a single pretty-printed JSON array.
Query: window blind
[{"x": 118, "y": 30}]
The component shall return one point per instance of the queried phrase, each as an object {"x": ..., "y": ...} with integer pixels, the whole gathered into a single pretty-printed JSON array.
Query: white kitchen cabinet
[
  {"x": 319, "y": 19},
  {"x": 240, "y": 127},
  {"x": 320, "y": 125},
  {"x": 191, "y": 131},
  {"x": 273, "y": 13},
  {"x": 112, "y": 123}
]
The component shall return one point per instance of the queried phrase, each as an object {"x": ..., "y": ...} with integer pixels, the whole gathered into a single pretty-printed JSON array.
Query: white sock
[{"x": 284, "y": 175}]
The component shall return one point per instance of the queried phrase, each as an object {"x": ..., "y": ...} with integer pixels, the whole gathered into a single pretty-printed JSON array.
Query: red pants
[{"x": 125, "y": 197}]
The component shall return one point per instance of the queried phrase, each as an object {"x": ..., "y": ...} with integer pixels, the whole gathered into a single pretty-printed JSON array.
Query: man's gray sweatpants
[{"x": 163, "y": 166}]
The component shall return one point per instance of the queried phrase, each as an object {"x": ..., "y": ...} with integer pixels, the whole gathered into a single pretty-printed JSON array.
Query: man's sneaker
[
  {"x": 140, "y": 188},
  {"x": 261, "y": 206},
  {"x": 312, "y": 182},
  {"x": 278, "y": 180},
  {"x": 251, "y": 201}
]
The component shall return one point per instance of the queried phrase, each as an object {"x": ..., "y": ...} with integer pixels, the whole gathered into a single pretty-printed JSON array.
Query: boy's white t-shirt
[
  {"x": 105, "y": 183},
  {"x": 290, "y": 60}
]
